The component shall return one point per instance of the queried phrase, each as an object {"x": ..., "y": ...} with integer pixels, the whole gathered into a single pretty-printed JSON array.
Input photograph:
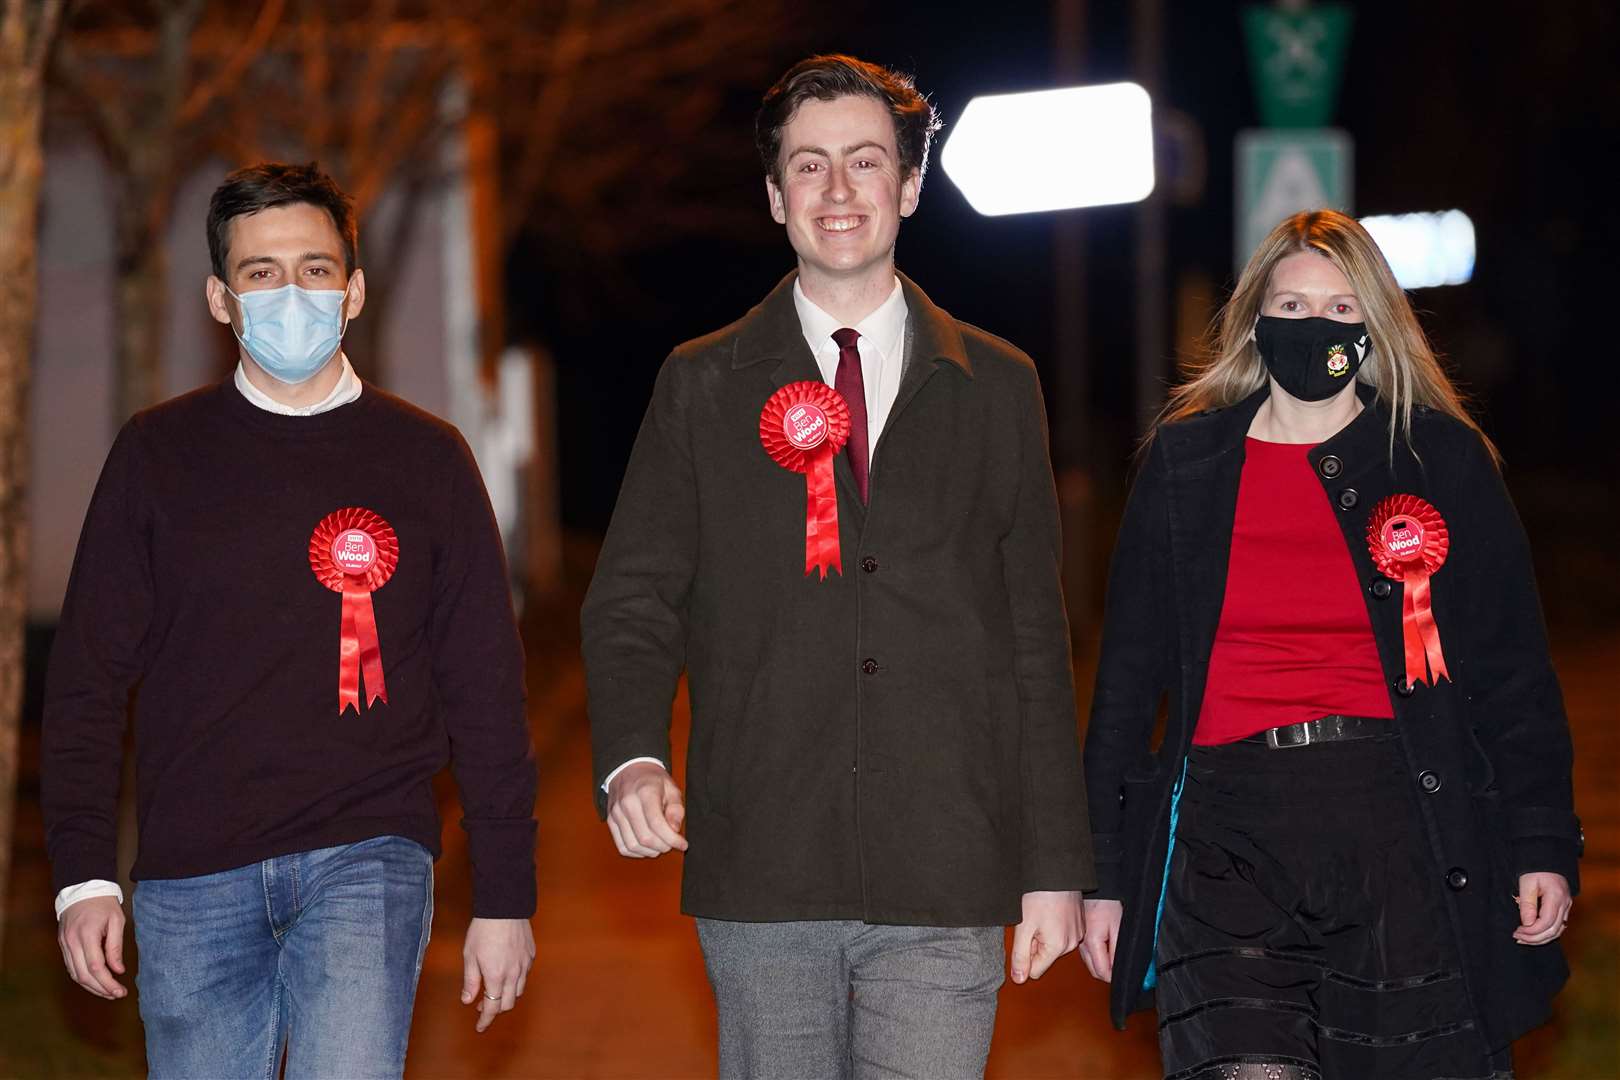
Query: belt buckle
[{"x": 1273, "y": 743}]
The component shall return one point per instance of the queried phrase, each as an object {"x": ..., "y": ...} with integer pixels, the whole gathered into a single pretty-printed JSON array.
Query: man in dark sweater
[
  {"x": 301, "y": 579},
  {"x": 839, "y": 518}
]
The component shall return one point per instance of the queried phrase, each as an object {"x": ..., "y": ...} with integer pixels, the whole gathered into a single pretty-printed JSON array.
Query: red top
[{"x": 1294, "y": 641}]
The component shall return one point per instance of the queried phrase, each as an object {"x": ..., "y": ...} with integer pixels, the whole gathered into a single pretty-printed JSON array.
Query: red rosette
[
  {"x": 802, "y": 427},
  {"x": 354, "y": 552},
  {"x": 1408, "y": 540}
]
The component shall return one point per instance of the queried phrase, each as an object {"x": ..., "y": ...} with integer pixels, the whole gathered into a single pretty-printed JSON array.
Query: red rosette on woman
[
  {"x": 803, "y": 426},
  {"x": 1408, "y": 539},
  {"x": 353, "y": 552}
]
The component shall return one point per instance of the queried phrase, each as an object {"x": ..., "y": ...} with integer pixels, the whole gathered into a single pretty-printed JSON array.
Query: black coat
[
  {"x": 1488, "y": 754},
  {"x": 898, "y": 743}
]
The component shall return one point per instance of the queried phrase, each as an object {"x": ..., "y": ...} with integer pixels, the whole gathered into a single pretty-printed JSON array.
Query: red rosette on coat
[
  {"x": 353, "y": 552},
  {"x": 803, "y": 426},
  {"x": 1409, "y": 540}
]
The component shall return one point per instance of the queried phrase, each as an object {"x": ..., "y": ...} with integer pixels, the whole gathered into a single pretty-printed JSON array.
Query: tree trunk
[
  {"x": 140, "y": 307},
  {"x": 25, "y": 32},
  {"x": 141, "y": 293}
]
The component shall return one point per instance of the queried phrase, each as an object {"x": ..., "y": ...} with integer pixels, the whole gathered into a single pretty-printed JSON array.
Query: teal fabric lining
[{"x": 1151, "y": 979}]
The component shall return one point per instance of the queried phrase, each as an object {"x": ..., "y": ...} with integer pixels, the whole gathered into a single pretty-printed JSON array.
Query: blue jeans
[{"x": 317, "y": 952}]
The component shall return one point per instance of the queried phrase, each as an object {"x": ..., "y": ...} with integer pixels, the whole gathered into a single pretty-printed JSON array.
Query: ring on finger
[{"x": 492, "y": 997}]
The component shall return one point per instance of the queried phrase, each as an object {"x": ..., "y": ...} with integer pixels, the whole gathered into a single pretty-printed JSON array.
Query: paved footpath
[
  {"x": 619, "y": 988},
  {"x": 620, "y": 992}
]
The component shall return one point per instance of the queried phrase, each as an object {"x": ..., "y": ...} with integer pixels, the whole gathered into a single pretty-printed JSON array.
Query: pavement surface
[{"x": 619, "y": 989}]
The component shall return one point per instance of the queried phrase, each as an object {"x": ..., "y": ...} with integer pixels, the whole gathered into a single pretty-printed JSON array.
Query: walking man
[
  {"x": 301, "y": 578},
  {"x": 839, "y": 519}
]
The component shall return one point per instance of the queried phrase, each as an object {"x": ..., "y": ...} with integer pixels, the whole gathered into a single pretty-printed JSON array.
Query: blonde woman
[{"x": 1354, "y": 849}]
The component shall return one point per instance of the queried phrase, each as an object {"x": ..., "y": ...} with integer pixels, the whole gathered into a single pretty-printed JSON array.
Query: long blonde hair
[{"x": 1401, "y": 368}]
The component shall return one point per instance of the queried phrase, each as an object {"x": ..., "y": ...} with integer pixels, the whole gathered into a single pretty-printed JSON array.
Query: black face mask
[{"x": 1312, "y": 359}]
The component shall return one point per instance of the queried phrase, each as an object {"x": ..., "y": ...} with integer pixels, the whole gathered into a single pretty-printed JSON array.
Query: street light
[
  {"x": 1425, "y": 250},
  {"x": 1053, "y": 149}
]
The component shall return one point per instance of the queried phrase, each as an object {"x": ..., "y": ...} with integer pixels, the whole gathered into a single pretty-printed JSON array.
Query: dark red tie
[{"x": 852, "y": 386}]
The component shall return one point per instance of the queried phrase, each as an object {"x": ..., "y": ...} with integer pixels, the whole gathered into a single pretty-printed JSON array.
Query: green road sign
[
  {"x": 1296, "y": 52},
  {"x": 1282, "y": 172}
]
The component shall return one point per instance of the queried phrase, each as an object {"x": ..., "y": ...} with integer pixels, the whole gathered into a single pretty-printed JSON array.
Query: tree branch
[
  {"x": 572, "y": 42},
  {"x": 100, "y": 100},
  {"x": 205, "y": 93},
  {"x": 50, "y": 20},
  {"x": 373, "y": 81}
]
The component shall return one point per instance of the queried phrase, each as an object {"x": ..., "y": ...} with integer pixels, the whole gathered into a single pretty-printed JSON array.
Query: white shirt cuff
[
  {"x": 626, "y": 765},
  {"x": 84, "y": 891}
]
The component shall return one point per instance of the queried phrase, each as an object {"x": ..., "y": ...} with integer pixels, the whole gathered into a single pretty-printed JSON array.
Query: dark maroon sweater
[{"x": 192, "y": 585}]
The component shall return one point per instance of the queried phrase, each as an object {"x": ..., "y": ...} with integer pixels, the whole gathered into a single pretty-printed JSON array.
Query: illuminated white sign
[
  {"x": 1425, "y": 250},
  {"x": 1053, "y": 149}
]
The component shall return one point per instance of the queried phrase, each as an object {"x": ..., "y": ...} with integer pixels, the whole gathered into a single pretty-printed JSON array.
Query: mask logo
[
  {"x": 1361, "y": 349},
  {"x": 1337, "y": 363}
]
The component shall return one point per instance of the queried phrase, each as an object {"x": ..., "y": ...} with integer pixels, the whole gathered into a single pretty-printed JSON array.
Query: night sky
[{"x": 1510, "y": 117}]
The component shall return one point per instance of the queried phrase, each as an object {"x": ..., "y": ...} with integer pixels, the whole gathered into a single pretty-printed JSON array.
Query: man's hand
[
  {"x": 1052, "y": 926},
  {"x": 645, "y": 811},
  {"x": 495, "y": 965},
  {"x": 91, "y": 934},
  {"x": 1544, "y": 904},
  {"x": 1102, "y": 933}
]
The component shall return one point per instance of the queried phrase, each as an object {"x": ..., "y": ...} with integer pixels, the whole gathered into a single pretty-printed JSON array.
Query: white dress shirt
[
  {"x": 347, "y": 389},
  {"x": 882, "y": 349},
  {"x": 882, "y": 346}
]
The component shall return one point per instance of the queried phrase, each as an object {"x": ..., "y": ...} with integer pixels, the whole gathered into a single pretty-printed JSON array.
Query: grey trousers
[{"x": 841, "y": 1000}]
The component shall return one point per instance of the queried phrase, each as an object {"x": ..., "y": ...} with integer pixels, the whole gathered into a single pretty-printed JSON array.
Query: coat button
[
  {"x": 869, "y": 666},
  {"x": 1429, "y": 781},
  {"x": 1329, "y": 466},
  {"x": 1380, "y": 588},
  {"x": 1348, "y": 498},
  {"x": 1456, "y": 879},
  {"x": 869, "y": 564},
  {"x": 1404, "y": 688}
]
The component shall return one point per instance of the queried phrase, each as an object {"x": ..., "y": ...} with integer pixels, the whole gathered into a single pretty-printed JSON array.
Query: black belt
[{"x": 1323, "y": 729}]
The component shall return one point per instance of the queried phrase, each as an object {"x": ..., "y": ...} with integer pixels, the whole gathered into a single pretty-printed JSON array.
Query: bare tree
[
  {"x": 27, "y": 30},
  {"x": 152, "y": 100},
  {"x": 371, "y": 89},
  {"x": 608, "y": 123}
]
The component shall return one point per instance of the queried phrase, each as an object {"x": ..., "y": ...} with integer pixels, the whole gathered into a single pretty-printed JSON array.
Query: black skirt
[{"x": 1304, "y": 932}]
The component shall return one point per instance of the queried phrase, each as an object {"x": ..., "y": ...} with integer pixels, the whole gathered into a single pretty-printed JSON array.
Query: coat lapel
[
  {"x": 772, "y": 335},
  {"x": 931, "y": 335},
  {"x": 1206, "y": 465}
]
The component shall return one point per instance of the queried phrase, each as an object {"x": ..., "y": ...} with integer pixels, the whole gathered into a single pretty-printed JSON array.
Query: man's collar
[
  {"x": 770, "y": 330},
  {"x": 882, "y": 327},
  {"x": 347, "y": 389}
]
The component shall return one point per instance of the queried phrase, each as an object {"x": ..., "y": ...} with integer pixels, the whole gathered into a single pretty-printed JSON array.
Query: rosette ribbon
[
  {"x": 1409, "y": 540},
  {"x": 803, "y": 426},
  {"x": 353, "y": 552}
]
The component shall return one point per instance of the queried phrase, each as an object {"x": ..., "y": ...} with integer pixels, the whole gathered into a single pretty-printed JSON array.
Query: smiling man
[
  {"x": 839, "y": 519},
  {"x": 302, "y": 577}
]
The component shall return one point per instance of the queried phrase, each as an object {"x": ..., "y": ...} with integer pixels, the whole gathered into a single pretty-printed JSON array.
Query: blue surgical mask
[{"x": 291, "y": 332}]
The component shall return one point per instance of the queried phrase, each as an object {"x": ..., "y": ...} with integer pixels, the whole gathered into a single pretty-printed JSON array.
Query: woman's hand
[
  {"x": 1102, "y": 931},
  {"x": 1544, "y": 904}
]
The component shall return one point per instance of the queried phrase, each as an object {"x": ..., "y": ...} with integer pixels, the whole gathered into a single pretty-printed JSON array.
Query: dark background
[{"x": 1504, "y": 111}]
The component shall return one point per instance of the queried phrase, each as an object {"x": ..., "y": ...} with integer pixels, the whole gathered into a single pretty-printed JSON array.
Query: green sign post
[
  {"x": 1282, "y": 172},
  {"x": 1296, "y": 52}
]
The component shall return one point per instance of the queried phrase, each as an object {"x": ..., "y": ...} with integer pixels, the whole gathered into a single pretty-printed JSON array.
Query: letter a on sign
[{"x": 1283, "y": 172}]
